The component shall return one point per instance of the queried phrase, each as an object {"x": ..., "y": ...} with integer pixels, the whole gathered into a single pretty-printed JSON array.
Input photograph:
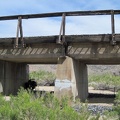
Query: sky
[{"x": 51, "y": 26}]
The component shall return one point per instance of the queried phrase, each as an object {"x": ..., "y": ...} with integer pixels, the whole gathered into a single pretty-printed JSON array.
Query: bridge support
[
  {"x": 12, "y": 76},
  {"x": 71, "y": 79}
]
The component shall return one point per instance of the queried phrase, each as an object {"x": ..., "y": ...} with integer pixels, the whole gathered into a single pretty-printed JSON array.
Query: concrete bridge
[{"x": 71, "y": 53}]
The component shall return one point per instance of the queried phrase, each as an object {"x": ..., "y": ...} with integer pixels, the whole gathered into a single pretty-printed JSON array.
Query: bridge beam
[
  {"x": 71, "y": 79},
  {"x": 12, "y": 76}
]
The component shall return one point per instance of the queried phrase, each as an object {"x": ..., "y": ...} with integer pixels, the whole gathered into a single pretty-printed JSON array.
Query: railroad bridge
[{"x": 71, "y": 53}]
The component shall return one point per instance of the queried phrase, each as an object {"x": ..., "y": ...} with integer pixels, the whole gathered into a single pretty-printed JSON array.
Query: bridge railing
[{"x": 61, "y": 38}]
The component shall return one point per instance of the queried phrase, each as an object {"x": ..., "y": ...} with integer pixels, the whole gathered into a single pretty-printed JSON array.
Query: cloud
[
  {"x": 89, "y": 25},
  {"x": 51, "y": 26},
  {"x": 9, "y": 7},
  {"x": 98, "y": 4},
  {"x": 31, "y": 27}
]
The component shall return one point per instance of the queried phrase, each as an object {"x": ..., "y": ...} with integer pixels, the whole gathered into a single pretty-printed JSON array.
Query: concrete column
[
  {"x": 12, "y": 76},
  {"x": 82, "y": 80},
  {"x": 71, "y": 79}
]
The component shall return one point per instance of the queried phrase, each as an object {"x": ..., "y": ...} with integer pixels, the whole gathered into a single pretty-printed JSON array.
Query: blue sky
[{"x": 51, "y": 26}]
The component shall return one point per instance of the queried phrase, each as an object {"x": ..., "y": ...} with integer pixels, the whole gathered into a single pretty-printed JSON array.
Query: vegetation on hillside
[
  {"x": 104, "y": 81},
  {"x": 42, "y": 75}
]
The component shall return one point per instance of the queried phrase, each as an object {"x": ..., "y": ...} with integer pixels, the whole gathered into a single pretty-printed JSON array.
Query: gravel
[{"x": 95, "y": 109}]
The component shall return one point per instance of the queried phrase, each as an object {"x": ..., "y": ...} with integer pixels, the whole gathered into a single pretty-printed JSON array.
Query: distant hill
[{"x": 92, "y": 69}]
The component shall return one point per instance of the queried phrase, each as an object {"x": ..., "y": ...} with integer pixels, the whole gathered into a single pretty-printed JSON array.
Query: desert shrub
[
  {"x": 115, "y": 113},
  {"x": 117, "y": 104},
  {"x": 42, "y": 75},
  {"x": 104, "y": 80},
  {"x": 26, "y": 106},
  {"x": 111, "y": 115},
  {"x": 6, "y": 111}
]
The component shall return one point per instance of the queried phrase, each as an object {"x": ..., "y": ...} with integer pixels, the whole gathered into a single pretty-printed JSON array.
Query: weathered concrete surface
[
  {"x": 45, "y": 53},
  {"x": 91, "y": 38},
  {"x": 63, "y": 83},
  {"x": 95, "y": 52},
  {"x": 1, "y": 88},
  {"x": 12, "y": 76},
  {"x": 87, "y": 48},
  {"x": 82, "y": 80},
  {"x": 71, "y": 79}
]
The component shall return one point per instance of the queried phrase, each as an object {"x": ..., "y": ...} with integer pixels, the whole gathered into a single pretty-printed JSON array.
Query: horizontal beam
[
  {"x": 59, "y": 14},
  {"x": 69, "y": 39},
  {"x": 100, "y": 53},
  {"x": 95, "y": 53}
]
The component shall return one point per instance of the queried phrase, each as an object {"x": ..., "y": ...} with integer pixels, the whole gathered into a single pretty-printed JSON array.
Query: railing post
[
  {"x": 21, "y": 33},
  {"x": 17, "y": 34},
  {"x": 113, "y": 42},
  {"x": 61, "y": 39},
  {"x": 63, "y": 28},
  {"x": 19, "y": 29}
]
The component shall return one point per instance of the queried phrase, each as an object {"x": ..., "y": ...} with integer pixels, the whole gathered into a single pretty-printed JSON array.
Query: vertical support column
[
  {"x": 113, "y": 42},
  {"x": 1, "y": 76},
  {"x": 71, "y": 79},
  {"x": 12, "y": 76},
  {"x": 82, "y": 81}
]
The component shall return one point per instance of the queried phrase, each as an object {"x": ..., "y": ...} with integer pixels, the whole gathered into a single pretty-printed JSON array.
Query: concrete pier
[
  {"x": 71, "y": 79},
  {"x": 12, "y": 76}
]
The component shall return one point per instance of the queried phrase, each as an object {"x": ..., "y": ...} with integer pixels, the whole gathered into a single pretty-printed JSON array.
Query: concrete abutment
[
  {"x": 71, "y": 80},
  {"x": 12, "y": 76}
]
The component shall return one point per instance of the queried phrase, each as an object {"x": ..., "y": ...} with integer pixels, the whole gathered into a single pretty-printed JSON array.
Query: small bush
[
  {"x": 104, "y": 81},
  {"x": 42, "y": 75},
  {"x": 115, "y": 113},
  {"x": 26, "y": 106}
]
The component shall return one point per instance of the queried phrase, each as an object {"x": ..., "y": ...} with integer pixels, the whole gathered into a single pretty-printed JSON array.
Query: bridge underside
[
  {"x": 41, "y": 53},
  {"x": 95, "y": 53}
]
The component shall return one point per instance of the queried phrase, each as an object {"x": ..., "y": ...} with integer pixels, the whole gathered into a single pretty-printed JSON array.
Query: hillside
[{"x": 92, "y": 69}]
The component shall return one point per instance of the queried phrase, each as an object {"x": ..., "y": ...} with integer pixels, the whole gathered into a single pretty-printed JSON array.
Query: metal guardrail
[{"x": 61, "y": 39}]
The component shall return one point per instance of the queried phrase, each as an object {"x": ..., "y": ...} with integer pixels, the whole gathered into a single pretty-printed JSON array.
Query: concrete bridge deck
[{"x": 44, "y": 49}]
